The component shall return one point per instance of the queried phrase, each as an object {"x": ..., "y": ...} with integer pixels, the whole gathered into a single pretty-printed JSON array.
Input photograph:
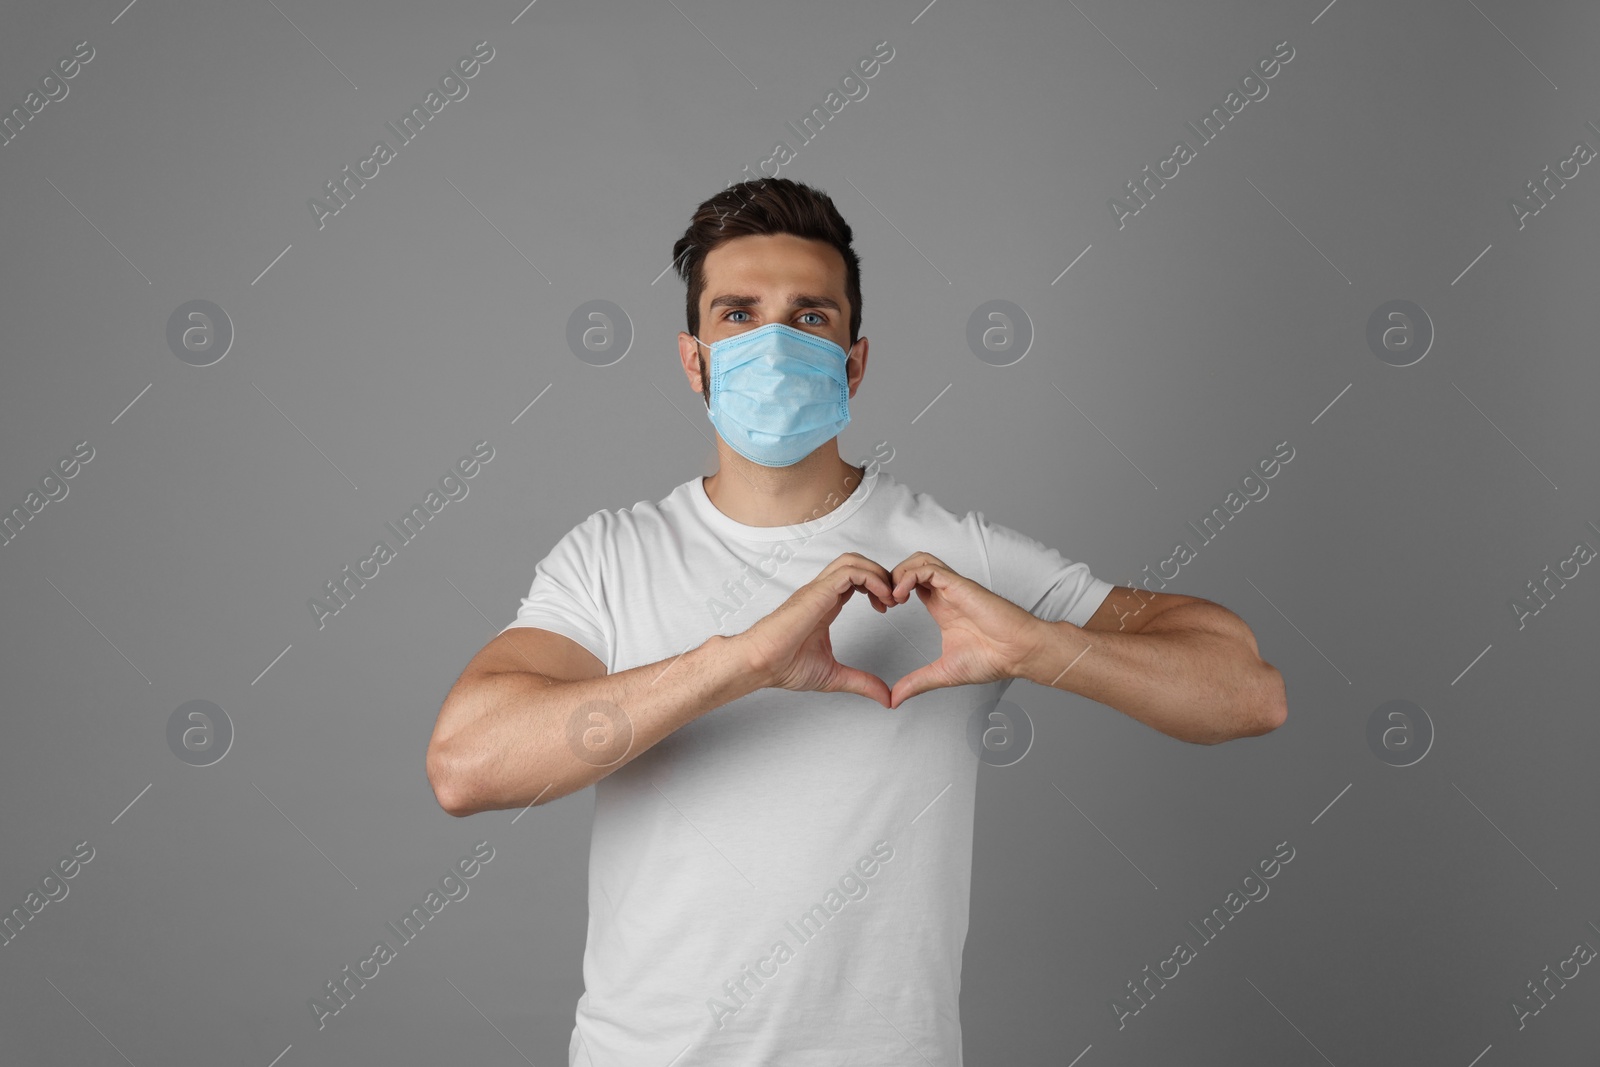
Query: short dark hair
[{"x": 765, "y": 206}]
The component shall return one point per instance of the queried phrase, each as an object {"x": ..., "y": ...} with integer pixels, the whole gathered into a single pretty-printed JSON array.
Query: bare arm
[
  {"x": 1190, "y": 669},
  {"x": 510, "y": 734},
  {"x": 535, "y": 717}
]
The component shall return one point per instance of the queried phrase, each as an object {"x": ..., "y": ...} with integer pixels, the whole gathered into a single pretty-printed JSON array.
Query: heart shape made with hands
[{"x": 983, "y": 636}]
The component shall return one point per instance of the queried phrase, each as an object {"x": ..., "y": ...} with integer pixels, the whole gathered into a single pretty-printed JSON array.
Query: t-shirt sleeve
[
  {"x": 565, "y": 596},
  {"x": 1039, "y": 578}
]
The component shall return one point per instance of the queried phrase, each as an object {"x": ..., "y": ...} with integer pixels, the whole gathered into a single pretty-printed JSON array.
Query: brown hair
[{"x": 764, "y": 206}]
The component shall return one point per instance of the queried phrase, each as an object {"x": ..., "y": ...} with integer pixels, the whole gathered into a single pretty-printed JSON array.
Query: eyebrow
[{"x": 798, "y": 300}]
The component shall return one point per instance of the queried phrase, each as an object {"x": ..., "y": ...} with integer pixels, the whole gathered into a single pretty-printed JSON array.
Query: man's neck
[{"x": 754, "y": 495}]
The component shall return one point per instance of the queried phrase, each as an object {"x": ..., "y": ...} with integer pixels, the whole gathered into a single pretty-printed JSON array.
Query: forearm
[
  {"x": 1195, "y": 677},
  {"x": 528, "y": 740}
]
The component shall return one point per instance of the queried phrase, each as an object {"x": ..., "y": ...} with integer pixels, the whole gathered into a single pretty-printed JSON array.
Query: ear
[
  {"x": 856, "y": 365},
  {"x": 689, "y": 357}
]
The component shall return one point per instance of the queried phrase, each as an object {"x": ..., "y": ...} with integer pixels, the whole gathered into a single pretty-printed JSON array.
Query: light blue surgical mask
[{"x": 778, "y": 392}]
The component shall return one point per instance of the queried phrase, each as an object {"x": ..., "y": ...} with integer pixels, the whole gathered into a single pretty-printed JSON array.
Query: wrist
[
  {"x": 740, "y": 660},
  {"x": 1050, "y": 653}
]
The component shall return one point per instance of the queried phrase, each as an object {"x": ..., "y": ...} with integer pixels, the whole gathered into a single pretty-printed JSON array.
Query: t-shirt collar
[{"x": 724, "y": 524}]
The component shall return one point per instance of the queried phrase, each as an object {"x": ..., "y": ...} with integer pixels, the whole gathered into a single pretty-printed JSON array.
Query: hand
[
  {"x": 790, "y": 647},
  {"x": 984, "y": 637}
]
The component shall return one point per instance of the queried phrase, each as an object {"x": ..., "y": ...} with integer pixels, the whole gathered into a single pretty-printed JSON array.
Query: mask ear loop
[{"x": 706, "y": 377}]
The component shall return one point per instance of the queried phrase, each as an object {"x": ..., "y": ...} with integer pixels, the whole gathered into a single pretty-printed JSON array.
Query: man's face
[{"x": 755, "y": 280}]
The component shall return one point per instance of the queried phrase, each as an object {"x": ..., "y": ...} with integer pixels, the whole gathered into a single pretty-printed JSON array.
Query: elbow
[
  {"x": 1271, "y": 704},
  {"x": 1261, "y": 711},
  {"x": 450, "y": 785}
]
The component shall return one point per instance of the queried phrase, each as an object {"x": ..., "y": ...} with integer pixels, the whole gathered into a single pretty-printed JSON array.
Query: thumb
[
  {"x": 852, "y": 680},
  {"x": 918, "y": 681}
]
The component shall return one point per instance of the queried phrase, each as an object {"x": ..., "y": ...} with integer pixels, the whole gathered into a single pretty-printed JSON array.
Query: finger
[
  {"x": 868, "y": 574},
  {"x": 851, "y": 680},
  {"x": 932, "y": 575},
  {"x": 910, "y": 570},
  {"x": 878, "y": 581},
  {"x": 858, "y": 561},
  {"x": 920, "y": 559},
  {"x": 895, "y": 581},
  {"x": 846, "y": 580},
  {"x": 873, "y": 581},
  {"x": 919, "y": 681},
  {"x": 836, "y": 588}
]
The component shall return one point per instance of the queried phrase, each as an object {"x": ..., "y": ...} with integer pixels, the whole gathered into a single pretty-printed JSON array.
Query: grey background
[{"x": 1229, "y": 315}]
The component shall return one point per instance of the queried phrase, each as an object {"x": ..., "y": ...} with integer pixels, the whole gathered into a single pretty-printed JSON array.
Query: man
[{"x": 782, "y": 842}]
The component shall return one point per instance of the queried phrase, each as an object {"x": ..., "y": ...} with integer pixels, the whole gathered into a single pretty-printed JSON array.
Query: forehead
[{"x": 778, "y": 264}]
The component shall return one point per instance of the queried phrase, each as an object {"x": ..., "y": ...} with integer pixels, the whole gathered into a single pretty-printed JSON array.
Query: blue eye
[
  {"x": 736, "y": 311},
  {"x": 819, "y": 316}
]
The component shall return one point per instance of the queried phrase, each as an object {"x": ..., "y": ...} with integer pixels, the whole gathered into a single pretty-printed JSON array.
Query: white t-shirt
[{"x": 783, "y": 881}]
